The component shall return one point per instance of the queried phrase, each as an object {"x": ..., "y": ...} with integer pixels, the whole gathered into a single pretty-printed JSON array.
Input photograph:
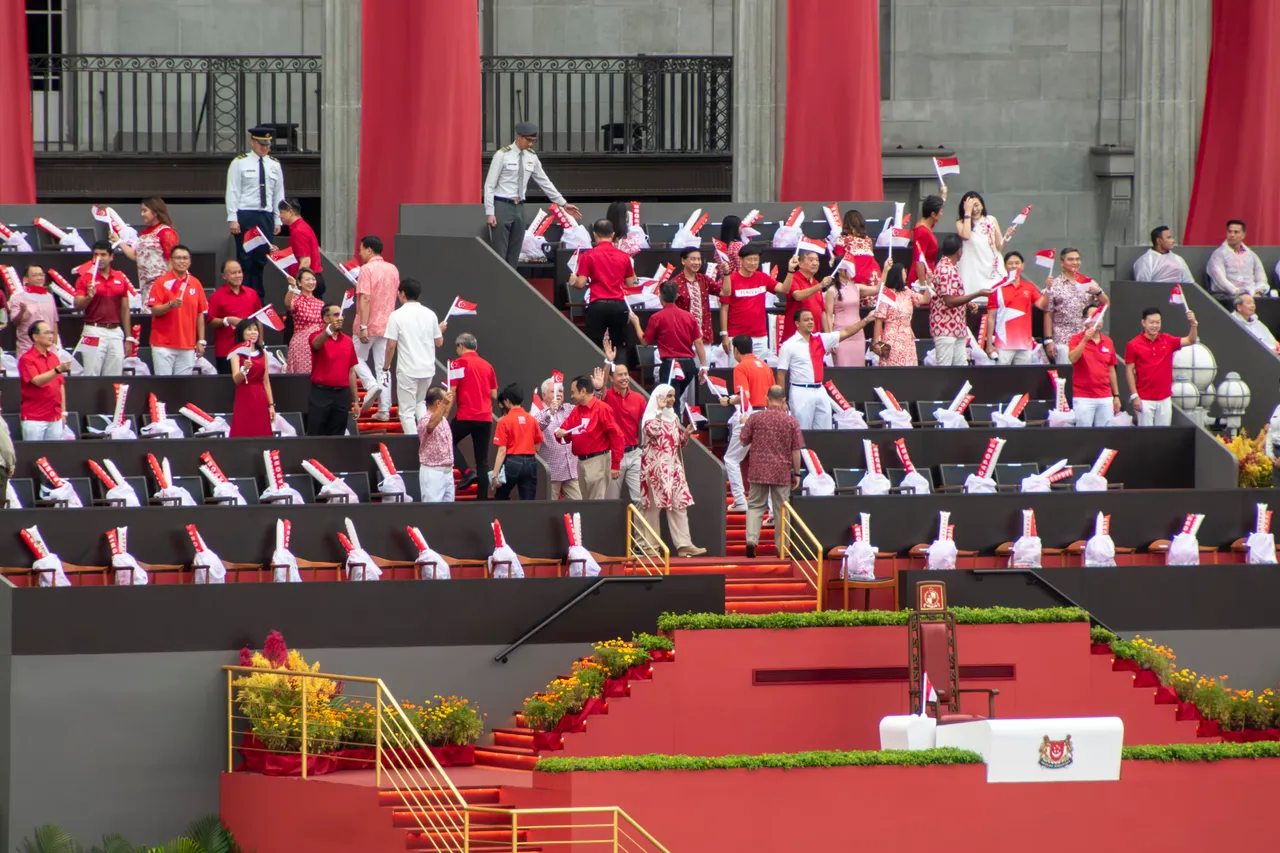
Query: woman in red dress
[
  {"x": 305, "y": 305},
  {"x": 255, "y": 409},
  {"x": 855, "y": 243}
]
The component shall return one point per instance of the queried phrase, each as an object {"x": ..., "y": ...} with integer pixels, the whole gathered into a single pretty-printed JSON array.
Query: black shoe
[
  {"x": 468, "y": 479},
  {"x": 751, "y": 552}
]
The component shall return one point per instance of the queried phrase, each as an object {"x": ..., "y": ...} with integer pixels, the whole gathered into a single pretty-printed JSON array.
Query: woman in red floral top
[
  {"x": 855, "y": 243},
  {"x": 662, "y": 481},
  {"x": 155, "y": 241},
  {"x": 303, "y": 301},
  {"x": 731, "y": 236},
  {"x": 693, "y": 290}
]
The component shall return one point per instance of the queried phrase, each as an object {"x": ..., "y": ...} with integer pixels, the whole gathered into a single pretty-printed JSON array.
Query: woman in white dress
[{"x": 981, "y": 265}]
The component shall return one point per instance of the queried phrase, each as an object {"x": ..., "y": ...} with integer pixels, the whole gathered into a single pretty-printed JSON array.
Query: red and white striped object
[
  {"x": 1029, "y": 522},
  {"x": 156, "y": 408},
  {"x": 35, "y": 541},
  {"x": 982, "y": 330},
  {"x": 886, "y": 397},
  {"x": 812, "y": 462},
  {"x": 946, "y": 166},
  {"x": 1060, "y": 392},
  {"x": 1102, "y": 525},
  {"x": 857, "y": 533},
  {"x": 1262, "y": 522},
  {"x": 1045, "y": 258},
  {"x": 382, "y": 459},
  {"x": 351, "y": 534},
  {"x": 275, "y": 473},
  {"x": 871, "y": 453},
  {"x": 98, "y": 471},
  {"x": 12, "y": 282},
  {"x": 49, "y": 474},
  {"x": 900, "y": 445},
  {"x": 415, "y": 536},
  {"x": 60, "y": 286},
  {"x": 122, "y": 394},
  {"x": 635, "y": 213},
  {"x": 991, "y": 457},
  {"x": 836, "y": 395},
  {"x": 1060, "y": 475},
  {"x": 808, "y": 244},
  {"x": 117, "y": 538},
  {"x": 498, "y": 541},
  {"x": 795, "y": 219},
  {"x": 158, "y": 471},
  {"x": 695, "y": 221},
  {"x": 283, "y": 529},
  {"x": 195, "y": 414},
  {"x": 1105, "y": 458},
  {"x": 1017, "y": 405},
  {"x": 1176, "y": 297},
  {"x": 960, "y": 400},
  {"x": 1021, "y": 217},
  {"x": 49, "y": 228},
  {"x": 322, "y": 474},
  {"x": 1192, "y": 523},
  {"x": 752, "y": 218},
  {"x": 832, "y": 212},
  {"x": 944, "y": 526},
  {"x": 5, "y": 231},
  {"x": 197, "y": 541}
]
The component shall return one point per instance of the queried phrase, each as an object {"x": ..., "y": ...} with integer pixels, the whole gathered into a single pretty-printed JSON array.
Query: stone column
[
  {"x": 1173, "y": 39},
  {"x": 759, "y": 97},
  {"x": 340, "y": 126}
]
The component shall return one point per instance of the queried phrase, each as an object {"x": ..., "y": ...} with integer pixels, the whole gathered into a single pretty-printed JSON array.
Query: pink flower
[
  {"x": 275, "y": 650},
  {"x": 246, "y": 657}
]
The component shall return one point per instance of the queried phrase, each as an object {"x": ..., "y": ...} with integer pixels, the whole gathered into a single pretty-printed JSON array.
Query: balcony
[{"x": 642, "y": 127}]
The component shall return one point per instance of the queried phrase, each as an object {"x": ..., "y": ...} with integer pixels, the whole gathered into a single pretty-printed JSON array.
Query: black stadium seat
[
  {"x": 847, "y": 480},
  {"x": 1012, "y": 473},
  {"x": 25, "y": 490},
  {"x": 662, "y": 233}
]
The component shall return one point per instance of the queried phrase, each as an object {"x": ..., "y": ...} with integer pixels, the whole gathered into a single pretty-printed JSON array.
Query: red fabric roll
[{"x": 17, "y": 159}]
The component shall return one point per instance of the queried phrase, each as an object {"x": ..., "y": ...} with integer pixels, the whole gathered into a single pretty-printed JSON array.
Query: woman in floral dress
[
  {"x": 155, "y": 241},
  {"x": 304, "y": 304},
  {"x": 893, "y": 325},
  {"x": 662, "y": 482}
]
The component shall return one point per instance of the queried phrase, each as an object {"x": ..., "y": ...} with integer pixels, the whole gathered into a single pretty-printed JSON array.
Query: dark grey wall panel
[{"x": 1248, "y": 656}]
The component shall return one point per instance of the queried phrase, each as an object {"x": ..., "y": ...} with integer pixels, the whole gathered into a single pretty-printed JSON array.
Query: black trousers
[
  {"x": 254, "y": 261},
  {"x": 223, "y": 365},
  {"x": 608, "y": 315},
  {"x": 690, "y": 368},
  {"x": 522, "y": 474},
  {"x": 328, "y": 409},
  {"x": 481, "y": 433}
]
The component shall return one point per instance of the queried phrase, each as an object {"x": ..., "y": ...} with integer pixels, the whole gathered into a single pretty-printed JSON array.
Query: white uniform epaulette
[
  {"x": 270, "y": 157},
  {"x": 242, "y": 156},
  {"x": 505, "y": 148}
]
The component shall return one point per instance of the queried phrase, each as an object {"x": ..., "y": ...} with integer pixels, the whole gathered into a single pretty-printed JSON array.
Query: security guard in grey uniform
[
  {"x": 255, "y": 188},
  {"x": 504, "y": 190}
]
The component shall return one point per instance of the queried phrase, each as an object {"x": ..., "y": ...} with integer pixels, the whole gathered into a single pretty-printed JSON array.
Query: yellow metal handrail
[
  {"x": 797, "y": 543},
  {"x": 644, "y": 545},
  {"x": 440, "y": 811}
]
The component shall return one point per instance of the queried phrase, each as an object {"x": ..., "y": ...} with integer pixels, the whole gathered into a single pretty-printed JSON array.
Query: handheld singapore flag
[
  {"x": 254, "y": 240},
  {"x": 461, "y": 308},
  {"x": 1045, "y": 258},
  {"x": 946, "y": 166},
  {"x": 269, "y": 317},
  {"x": 283, "y": 259},
  {"x": 1177, "y": 297}
]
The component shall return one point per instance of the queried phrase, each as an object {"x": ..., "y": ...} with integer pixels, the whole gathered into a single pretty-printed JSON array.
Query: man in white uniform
[
  {"x": 255, "y": 188},
  {"x": 414, "y": 332},
  {"x": 504, "y": 191},
  {"x": 800, "y": 366},
  {"x": 1160, "y": 263}
]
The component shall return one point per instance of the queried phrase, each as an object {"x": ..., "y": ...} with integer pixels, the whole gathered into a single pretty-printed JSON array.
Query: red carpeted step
[
  {"x": 519, "y": 737},
  {"x": 499, "y": 839},
  {"x": 446, "y": 819},
  {"x": 510, "y": 757},
  {"x": 732, "y": 535},
  {"x": 771, "y": 606},
  {"x": 748, "y": 588},
  {"x": 764, "y": 550},
  {"x": 473, "y": 796},
  {"x": 745, "y": 569}
]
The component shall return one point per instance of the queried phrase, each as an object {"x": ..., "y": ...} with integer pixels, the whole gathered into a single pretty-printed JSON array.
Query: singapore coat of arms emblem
[{"x": 1055, "y": 754}]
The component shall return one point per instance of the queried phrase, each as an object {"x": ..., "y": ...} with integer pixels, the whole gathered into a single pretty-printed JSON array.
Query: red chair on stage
[{"x": 931, "y": 649}]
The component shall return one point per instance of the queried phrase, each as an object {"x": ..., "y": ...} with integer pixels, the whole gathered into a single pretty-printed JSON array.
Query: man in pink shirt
[{"x": 375, "y": 300}]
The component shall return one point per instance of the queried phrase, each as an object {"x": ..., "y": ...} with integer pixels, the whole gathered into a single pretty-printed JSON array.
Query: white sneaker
[
  {"x": 738, "y": 508},
  {"x": 381, "y": 416}
]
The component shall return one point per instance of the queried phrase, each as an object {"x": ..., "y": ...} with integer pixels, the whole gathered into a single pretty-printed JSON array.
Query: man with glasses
[
  {"x": 504, "y": 191},
  {"x": 43, "y": 384},
  {"x": 178, "y": 306}
]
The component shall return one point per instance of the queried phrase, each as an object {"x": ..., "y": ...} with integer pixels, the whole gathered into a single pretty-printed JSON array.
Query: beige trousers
[
  {"x": 593, "y": 476},
  {"x": 677, "y": 524},
  {"x": 565, "y": 490}
]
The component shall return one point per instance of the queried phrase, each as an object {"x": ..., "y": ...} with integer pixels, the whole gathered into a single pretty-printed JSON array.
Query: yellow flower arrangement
[{"x": 1254, "y": 465}]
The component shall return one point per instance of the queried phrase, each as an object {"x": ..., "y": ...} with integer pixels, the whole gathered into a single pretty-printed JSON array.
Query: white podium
[
  {"x": 1078, "y": 749},
  {"x": 907, "y": 731}
]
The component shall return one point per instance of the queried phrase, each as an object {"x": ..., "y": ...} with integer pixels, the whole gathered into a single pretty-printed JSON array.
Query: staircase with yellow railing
[
  {"x": 647, "y": 553},
  {"x": 275, "y": 713},
  {"x": 797, "y": 543}
]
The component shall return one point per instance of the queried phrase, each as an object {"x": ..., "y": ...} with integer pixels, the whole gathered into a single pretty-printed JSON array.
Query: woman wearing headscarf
[{"x": 662, "y": 481}]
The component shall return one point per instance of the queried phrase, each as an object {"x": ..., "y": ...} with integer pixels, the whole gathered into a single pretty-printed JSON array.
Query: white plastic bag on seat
[
  {"x": 65, "y": 492},
  {"x": 948, "y": 419},
  {"x": 977, "y": 485},
  {"x": 575, "y": 238},
  {"x": 1000, "y": 420},
  {"x": 874, "y": 484},
  {"x": 859, "y": 562},
  {"x": 1062, "y": 419},
  {"x": 941, "y": 554},
  {"x": 1100, "y": 551},
  {"x": 49, "y": 571},
  {"x": 208, "y": 568},
  {"x": 1036, "y": 484},
  {"x": 1091, "y": 482},
  {"x": 1026, "y": 554},
  {"x": 361, "y": 567},
  {"x": 1184, "y": 550},
  {"x": 914, "y": 481},
  {"x": 503, "y": 562},
  {"x": 849, "y": 419},
  {"x": 1262, "y": 548},
  {"x": 128, "y": 572},
  {"x": 896, "y": 418}
]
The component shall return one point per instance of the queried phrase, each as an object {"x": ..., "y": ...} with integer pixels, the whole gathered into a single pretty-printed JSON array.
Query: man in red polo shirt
[
  {"x": 608, "y": 271},
  {"x": 43, "y": 384},
  {"x": 333, "y": 375},
  {"x": 177, "y": 306},
  {"x": 628, "y": 407},
  {"x": 1095, "y": 391},
  {"x": 517, "y": 437},
  {"x": 678, "y": 337},
  {"x": 474, "y": 381},
  {"x": 1148, "y": 366},
  {"x": 744, "y": 302},
  {"x": 1009, "y": 339},
  {"x": 228, "y": 305},
  {"x": 924, "y": 245},
  {"x": 302, "y": 239},
  {"x": 803, "y": 290},
  {"x": 105, "y": 301},
  {"x": 596, "y": 440}
]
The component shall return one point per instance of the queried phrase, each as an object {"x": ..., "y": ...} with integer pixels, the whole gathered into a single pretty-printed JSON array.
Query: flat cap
[
  {"x": 263, "y": 132},
  {"x": 526, "y": 128}
]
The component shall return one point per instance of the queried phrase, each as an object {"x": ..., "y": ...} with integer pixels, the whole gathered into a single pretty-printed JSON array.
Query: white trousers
[
  {"x": 409, "y": 393},
  {"x": 811, "y": 407},
  {"x": 107, "y": 358},
  {"x": 1015, "y": 356},
  {"x": 1062, "y": 357},
  {"x": 950, "y": 351},
  {"x": 42, "y": 430},
  {"x": 436, "y": 484},
  {"x": 166, "y": 361},
  {"x": 1092, "y": 411},
  {"x": 1156, "y": 412},
  {"x": 630, "y": 469},
  {"x": 759, "y": 346},
  {"x": 733, "y": 463},
  {"x": 378, "y": 347}
]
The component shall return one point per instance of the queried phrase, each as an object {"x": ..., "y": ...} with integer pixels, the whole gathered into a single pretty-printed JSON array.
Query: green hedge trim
[
  {"x": 1201, "y": 751},
  {"x": 783, "y": 761},
  {"x": 861, "y": 618}
]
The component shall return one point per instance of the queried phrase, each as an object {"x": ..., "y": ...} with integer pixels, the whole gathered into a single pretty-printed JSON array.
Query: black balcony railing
[
  {"x": 611, "y": 104},
  {"x": 179, "y": 105},
  {"x": 172, "y": 105}
]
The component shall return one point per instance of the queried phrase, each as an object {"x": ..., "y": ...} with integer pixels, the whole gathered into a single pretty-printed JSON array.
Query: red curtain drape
[
  {"x": 419, "y": 111},
  {"x": 17, "y": 160},
  {"x": 1238, "y": 165},
  {"x": 832, "y": 140}
]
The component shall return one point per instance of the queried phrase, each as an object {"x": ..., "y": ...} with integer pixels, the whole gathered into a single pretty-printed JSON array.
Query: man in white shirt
[
  {"x": 1246, "y": 314},
  {"x": 413, "y": 332},
  {"x": 504, "y": 191},
  {"x": 255, "y": 188},
  {"x": 1234, "y": 268},
  {"x": 800, "y": 364},
  {"x": 1160, "y": 263}
]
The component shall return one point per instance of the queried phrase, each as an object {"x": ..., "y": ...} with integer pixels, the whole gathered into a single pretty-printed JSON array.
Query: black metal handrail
[
  {"x": 594, "y": 589},
  {"x": 1035, "y": 578},
  {"x": 611, "y": 104},
  {"x": 172, "y": 105}
]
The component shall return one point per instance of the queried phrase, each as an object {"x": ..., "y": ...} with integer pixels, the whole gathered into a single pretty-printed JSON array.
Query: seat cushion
[{"x": 945, "y": 719}]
